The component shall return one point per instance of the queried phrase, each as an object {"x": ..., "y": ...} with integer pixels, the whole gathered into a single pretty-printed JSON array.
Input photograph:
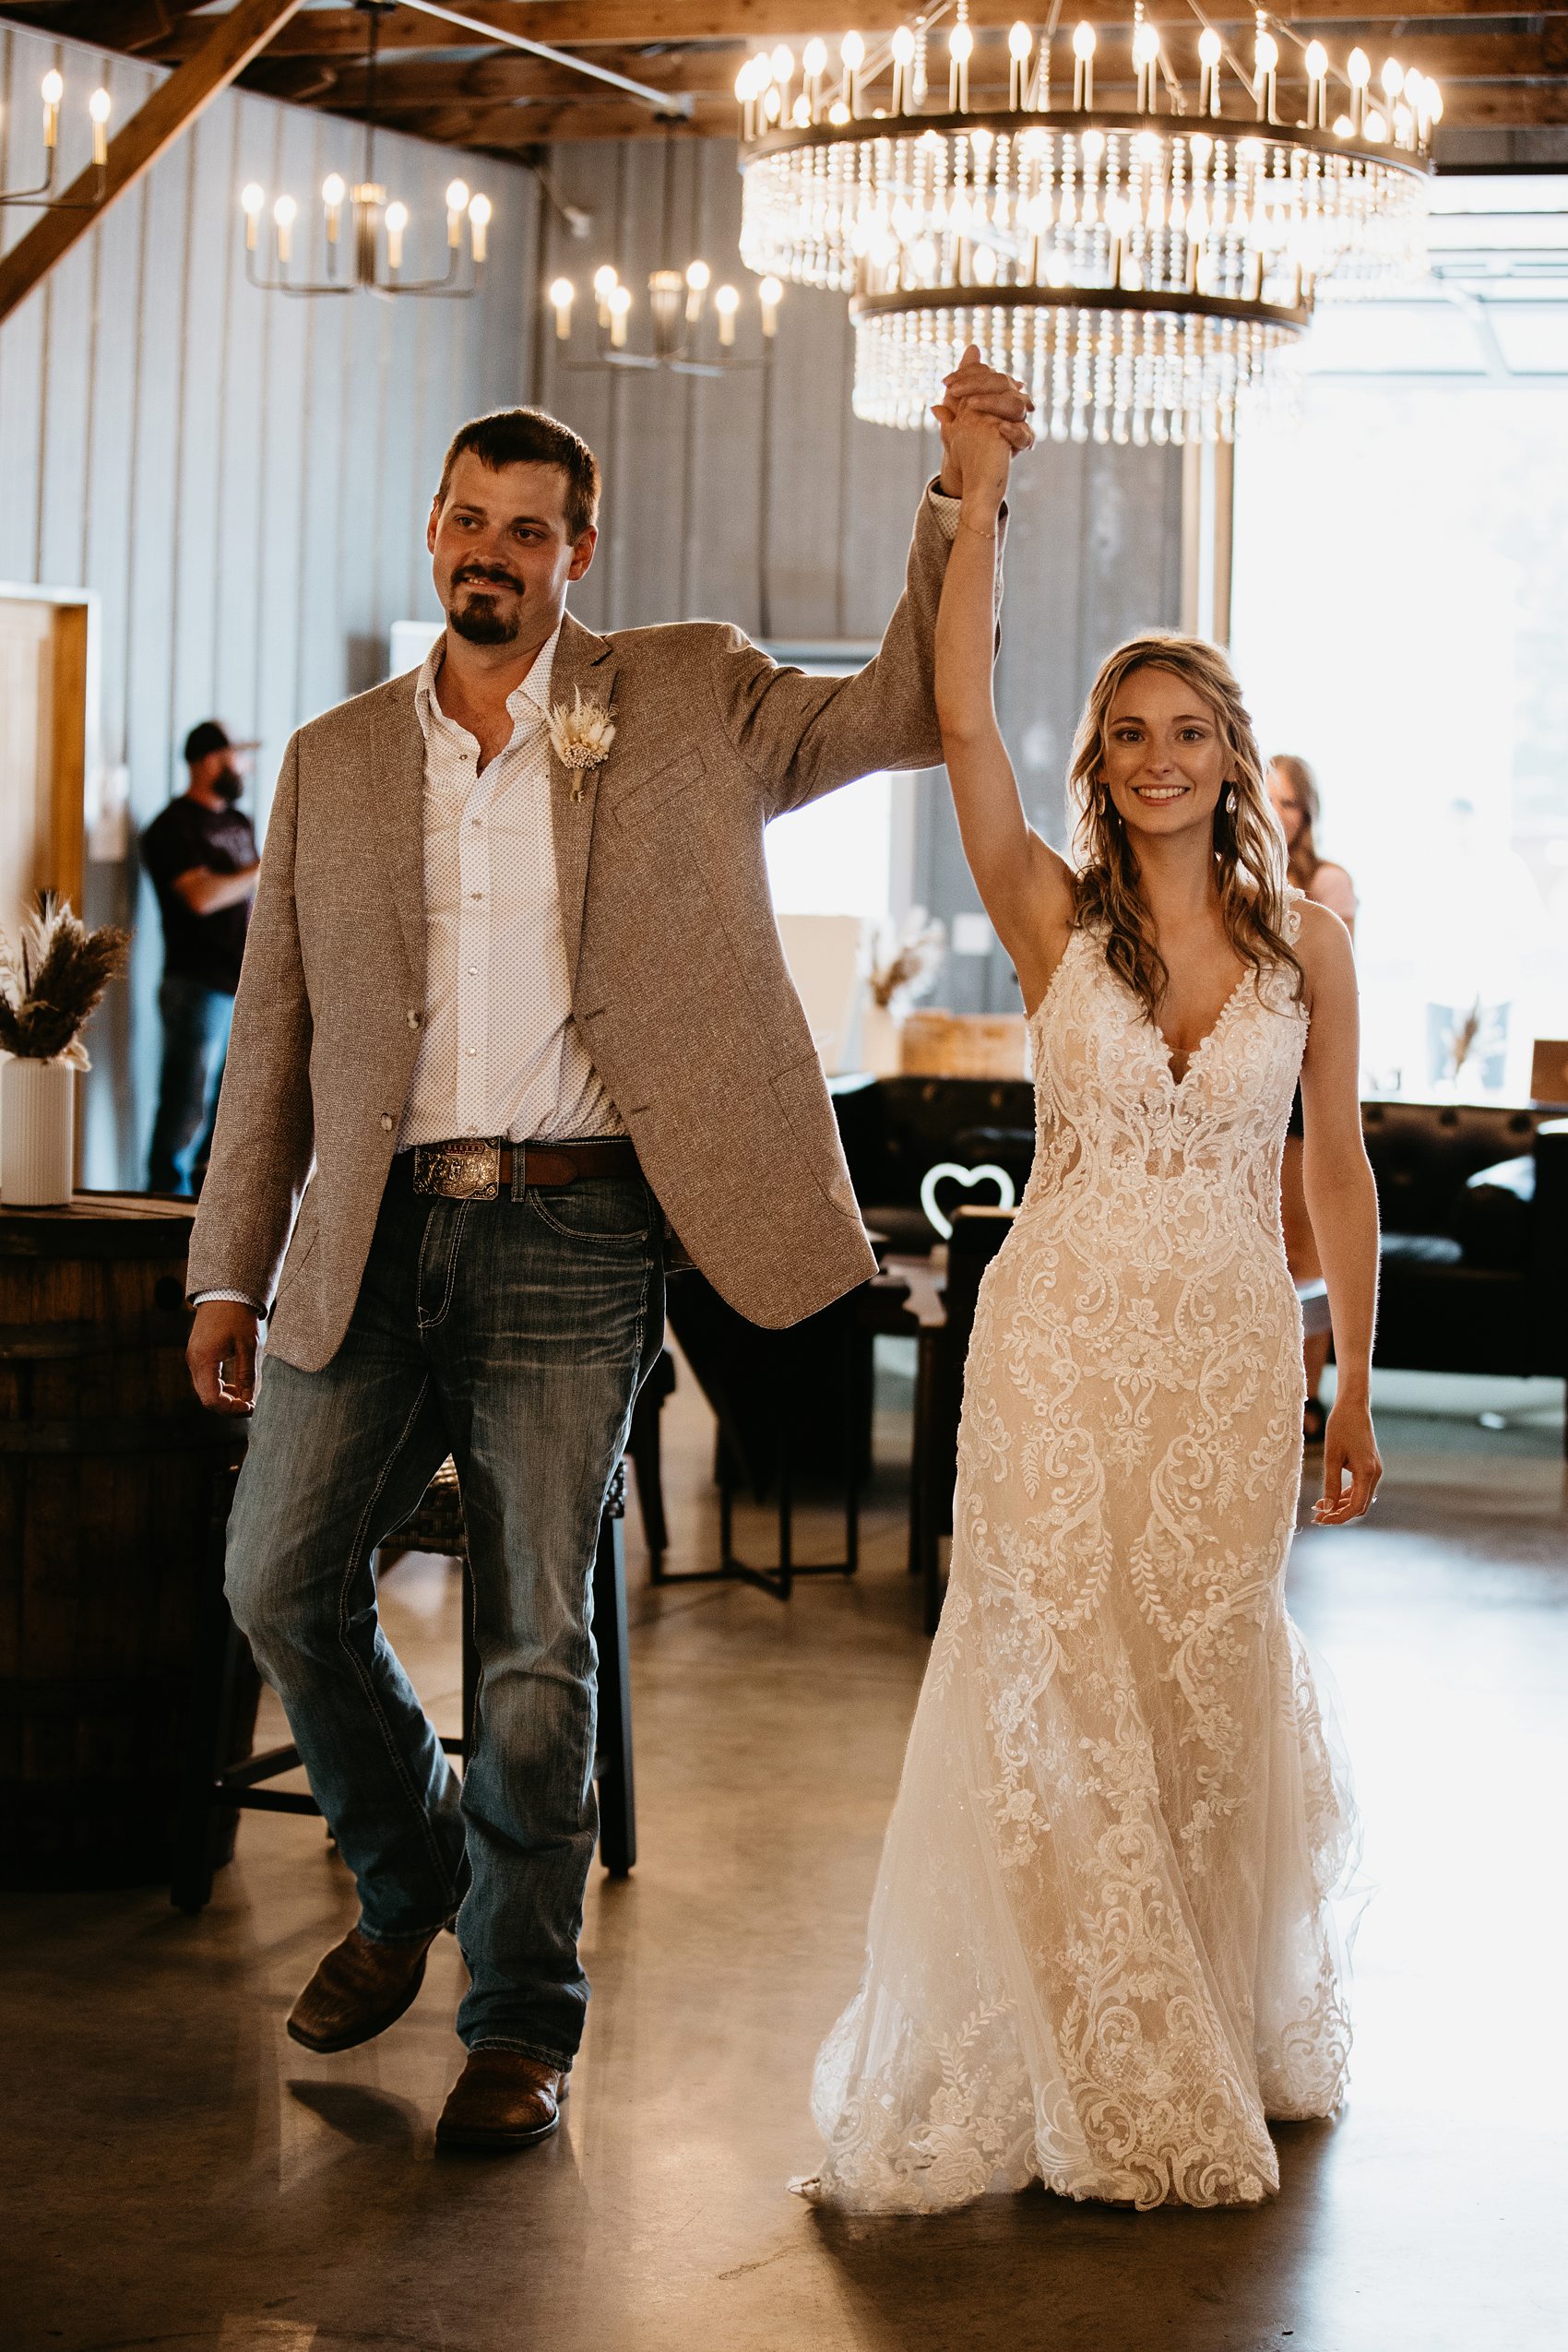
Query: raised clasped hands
[{"x": 984, "y": 418}]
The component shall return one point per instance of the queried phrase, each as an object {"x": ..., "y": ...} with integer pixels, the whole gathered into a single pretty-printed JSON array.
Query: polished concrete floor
[{"x": 179, "y": 2174}]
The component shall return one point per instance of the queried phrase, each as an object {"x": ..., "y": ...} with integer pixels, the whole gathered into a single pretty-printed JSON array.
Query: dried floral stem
[{"x": 51, "y": 982}]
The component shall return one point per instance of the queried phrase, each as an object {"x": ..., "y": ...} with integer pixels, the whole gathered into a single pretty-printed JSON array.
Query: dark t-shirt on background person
[{"x": 185, "y": 836}]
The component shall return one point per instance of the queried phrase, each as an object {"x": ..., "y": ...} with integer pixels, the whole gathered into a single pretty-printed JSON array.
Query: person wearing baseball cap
[{"x": 201, "y": 858}]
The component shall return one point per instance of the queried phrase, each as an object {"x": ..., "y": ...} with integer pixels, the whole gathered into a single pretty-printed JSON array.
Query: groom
[{"x": 513, "y": 1002}]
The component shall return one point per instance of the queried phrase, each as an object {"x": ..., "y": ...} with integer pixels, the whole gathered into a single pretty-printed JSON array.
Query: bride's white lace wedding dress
[{"x": 1100, "y": 1951}]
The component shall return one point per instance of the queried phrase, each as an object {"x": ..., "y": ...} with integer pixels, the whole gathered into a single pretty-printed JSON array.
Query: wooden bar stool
[{"x": 216, "y": 1783}]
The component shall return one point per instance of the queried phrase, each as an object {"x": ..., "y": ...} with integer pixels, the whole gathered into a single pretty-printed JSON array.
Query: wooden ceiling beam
[
  {"x": 411, "y": 81},
  {"x": 140, "y": 24},
  {"x": 340, "y": 32},
  {"x": 1451, "y": 57},
  {"x": 231, "y": 42}
]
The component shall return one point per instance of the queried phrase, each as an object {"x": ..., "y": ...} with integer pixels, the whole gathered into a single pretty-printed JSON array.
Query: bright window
[{"x": 1400, "y": 620}]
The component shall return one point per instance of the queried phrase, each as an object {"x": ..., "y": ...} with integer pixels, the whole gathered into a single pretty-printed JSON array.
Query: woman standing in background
[{"x": 1292, "y": 788}]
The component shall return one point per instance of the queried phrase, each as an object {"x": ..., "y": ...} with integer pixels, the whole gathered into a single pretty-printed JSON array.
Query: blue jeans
[
  {"x": 511, "y": 1334},
  {"x": 196, "y": 1039}
]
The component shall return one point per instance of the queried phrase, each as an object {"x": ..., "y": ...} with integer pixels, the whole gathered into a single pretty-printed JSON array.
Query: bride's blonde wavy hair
[{"x": 1248, "y": 848}]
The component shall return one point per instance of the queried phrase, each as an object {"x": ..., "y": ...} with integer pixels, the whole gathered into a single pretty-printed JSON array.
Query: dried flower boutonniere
[{"x": 580, "y": 736}]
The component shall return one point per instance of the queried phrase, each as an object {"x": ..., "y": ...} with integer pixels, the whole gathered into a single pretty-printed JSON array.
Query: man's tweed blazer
[{"x": 680, "y": 993}]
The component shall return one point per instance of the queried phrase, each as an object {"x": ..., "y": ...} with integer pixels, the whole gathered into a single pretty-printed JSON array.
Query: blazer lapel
[
  {"x": 588, "y": 661},
  {"x": 395, "y": 818}
]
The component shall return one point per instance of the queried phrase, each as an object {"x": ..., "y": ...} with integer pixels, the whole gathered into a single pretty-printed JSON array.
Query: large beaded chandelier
[{"x": 1147, "y": 270}]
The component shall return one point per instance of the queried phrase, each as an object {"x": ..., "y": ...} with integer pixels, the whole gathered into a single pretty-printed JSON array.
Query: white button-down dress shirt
[{"x": 498, "y": 1052}]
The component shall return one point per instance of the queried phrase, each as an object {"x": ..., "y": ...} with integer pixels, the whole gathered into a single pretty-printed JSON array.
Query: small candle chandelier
[
  {"x": 99, "y": 106},
  {"x": 681, "y": 304},
  {"x": 369, "y": 258},
  {"x": 1145, "y": 267}
]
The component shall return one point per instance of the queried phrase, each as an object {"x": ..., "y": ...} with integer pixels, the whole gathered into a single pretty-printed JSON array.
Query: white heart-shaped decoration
[{"x": 969, "y": 1178}]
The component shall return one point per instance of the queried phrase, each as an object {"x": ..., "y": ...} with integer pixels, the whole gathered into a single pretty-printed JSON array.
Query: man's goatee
[{"x": 483, "y": 624}]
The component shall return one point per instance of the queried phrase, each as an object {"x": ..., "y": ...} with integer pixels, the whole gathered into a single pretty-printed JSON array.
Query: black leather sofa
[{"x": 1474, "y": 1199}]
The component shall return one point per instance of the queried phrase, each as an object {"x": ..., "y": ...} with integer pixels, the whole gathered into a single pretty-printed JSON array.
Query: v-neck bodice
[{"x": 1117, "y": 1126}]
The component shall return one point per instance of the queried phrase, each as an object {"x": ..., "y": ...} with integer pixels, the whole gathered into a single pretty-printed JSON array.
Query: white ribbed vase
[{"x": 38, "y": 1110}]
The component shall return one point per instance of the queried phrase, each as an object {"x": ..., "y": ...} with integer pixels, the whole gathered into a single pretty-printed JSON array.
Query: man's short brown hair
[{"x": 530, "y": 437}]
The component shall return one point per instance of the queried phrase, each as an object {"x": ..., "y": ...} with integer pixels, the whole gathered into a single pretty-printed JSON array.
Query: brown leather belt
[{"x": 478, "y": 1168}]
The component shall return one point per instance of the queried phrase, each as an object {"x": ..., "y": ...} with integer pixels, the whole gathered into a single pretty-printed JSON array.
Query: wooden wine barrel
[{"x": 113, "y": 1484}]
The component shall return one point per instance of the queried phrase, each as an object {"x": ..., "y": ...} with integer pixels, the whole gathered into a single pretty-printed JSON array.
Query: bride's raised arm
[{"x": 1026, "y": 887}]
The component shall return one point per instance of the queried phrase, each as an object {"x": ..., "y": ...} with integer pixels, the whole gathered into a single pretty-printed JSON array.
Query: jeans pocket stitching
[{"x": 637, "y": 1239}]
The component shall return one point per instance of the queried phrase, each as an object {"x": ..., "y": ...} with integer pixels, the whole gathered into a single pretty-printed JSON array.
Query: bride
[{"x": 1100, "y": 1952}]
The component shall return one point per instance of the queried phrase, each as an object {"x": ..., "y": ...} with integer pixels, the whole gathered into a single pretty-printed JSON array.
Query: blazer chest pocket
[{"x": 675, "y": 781}]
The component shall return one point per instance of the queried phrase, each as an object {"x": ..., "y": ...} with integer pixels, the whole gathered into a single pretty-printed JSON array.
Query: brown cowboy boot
[
  {"x": 501, "y": 2100},
  {"x": 358, "y": 1990}
]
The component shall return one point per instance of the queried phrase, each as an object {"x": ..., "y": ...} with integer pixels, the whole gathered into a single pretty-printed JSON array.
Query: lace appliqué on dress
[{"x": 1100, "y": 1953}]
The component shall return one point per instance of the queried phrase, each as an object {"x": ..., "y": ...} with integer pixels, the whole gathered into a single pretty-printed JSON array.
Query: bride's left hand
[{"x": 1349, "y": 1447}]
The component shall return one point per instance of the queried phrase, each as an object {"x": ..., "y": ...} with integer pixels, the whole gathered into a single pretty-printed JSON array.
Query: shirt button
[
  {"x": 476, "y": 894},
  {"x": 386, "y": 1122},
  {"x": 473, "y": 1049},
  {"x": 473, "y": 971},
  {"x": 413, "y": 1018}
]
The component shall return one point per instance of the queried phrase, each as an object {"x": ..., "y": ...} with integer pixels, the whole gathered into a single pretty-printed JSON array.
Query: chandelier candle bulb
[
  {"x": 53, "y": 91},
  {"x": 783, "y": 63},
  {"x": 333, "y": 190},
  {"x": 1020, "y": 47},
  {"x": 726, "y": 301},
  {"x": 604, "y": 284},
  {"x": 814, "y": 64},
  {"x": 1318, "y": 85},
  {"x": 99, "y": 106},
  {"x": 1211, "y": 49},
  {"x": 698, "y": 279},
  {"x": 1146, "y": 59},
  {"x": 1266, "y": 59},
  {"x": 620, "y": 303},
  {"x": 457, "y": 205},
  {"x": 961, "y": 48},
  {"x": 903, "y": 76},
  {"x": 1359, "y": 73},
  {"x": 479, "y": 215},
  {"x": 770, "y": 293},
  {"x": 252, "y": 198},
  {"x": 852, "y": 56},
  {"x": 397, "y": 222},
  {"x": 1082, "y": 67},
  {"x": 562, "y": 294},
  {"x": 283, "y": 213}
]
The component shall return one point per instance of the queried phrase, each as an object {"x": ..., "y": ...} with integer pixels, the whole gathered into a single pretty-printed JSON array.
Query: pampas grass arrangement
[
  {"x": 51, "y": 982},
  {"x": 904, "y": 965}
]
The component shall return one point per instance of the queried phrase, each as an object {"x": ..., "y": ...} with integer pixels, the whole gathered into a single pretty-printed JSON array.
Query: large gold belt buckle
[{"x": 458, "y": 1172}]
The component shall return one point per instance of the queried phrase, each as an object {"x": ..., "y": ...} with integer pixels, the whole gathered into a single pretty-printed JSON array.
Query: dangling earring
[{"x": 1230, "y": 802}]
